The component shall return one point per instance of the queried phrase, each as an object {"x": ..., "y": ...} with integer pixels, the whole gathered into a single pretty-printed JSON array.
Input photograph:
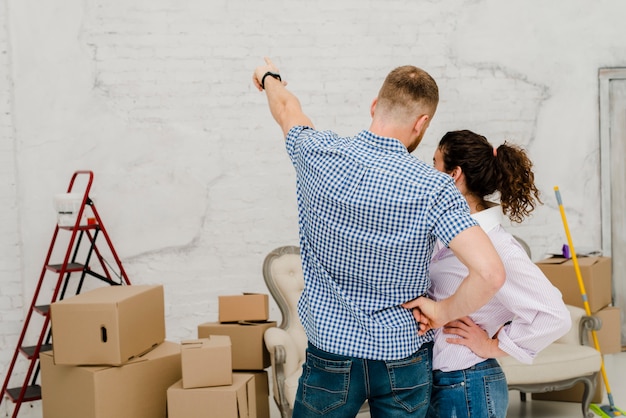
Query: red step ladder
[{"x": 81, "y": 245}]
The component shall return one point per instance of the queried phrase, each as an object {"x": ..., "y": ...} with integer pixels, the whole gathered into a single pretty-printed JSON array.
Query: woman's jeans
[
  {"x": 477, "y": 392},
  {"x": 337, "y": 386}
]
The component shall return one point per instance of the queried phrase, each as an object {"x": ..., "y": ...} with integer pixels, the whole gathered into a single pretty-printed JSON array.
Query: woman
[{"x": 527, "y": 313}]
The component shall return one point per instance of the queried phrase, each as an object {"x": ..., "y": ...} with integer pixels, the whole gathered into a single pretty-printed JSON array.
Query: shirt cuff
[{"x": 508, "y": 346}]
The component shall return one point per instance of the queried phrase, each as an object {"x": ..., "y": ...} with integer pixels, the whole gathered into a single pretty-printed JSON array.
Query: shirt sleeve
[
  {"x": 541, "y": 316},
  {"x": 450, "y": 213},
  {"x": 292, "y": 142}
]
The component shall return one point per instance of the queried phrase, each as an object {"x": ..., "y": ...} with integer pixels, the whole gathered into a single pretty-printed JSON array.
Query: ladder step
[
  {"x": 29, "y": 351},
  {"x": 33, "y": 393},
  {"x": 71, "y": 267},
  {"x": 43, "y": 309},
  {"x": 80, "y": 228}
]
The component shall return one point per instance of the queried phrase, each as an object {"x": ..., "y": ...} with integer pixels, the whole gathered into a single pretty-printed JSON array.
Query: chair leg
[{"x": 588, "y": 391}]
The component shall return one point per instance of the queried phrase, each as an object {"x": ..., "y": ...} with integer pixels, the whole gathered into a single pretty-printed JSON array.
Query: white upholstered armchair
[{"x": 282, "y": 271}]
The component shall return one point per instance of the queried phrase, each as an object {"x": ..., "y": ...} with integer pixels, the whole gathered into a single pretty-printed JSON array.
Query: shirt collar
[
  {"x": 391, "y": 144},
  {"x": 489, "y": 218}
]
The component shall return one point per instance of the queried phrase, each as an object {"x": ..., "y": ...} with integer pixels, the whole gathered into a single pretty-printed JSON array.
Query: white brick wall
[
  {"x": 11, "y": 288},
  {"x": 191, "y": 177}
]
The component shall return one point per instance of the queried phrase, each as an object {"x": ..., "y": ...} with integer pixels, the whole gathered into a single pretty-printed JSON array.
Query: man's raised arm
[{"x": 284, "y": 106}]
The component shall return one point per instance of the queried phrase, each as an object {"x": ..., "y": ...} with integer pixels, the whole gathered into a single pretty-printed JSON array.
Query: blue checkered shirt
[{"x": 369, "y": 216}]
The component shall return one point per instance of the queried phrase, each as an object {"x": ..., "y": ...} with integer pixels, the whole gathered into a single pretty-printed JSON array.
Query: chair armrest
[
  {"x": 289, "y": 355},
  {"x": 278, "y": 361},
  {"x": 586, "y": 324},
  {"x": 285, "y": 360},
  {"x": 573, "y": 336}
]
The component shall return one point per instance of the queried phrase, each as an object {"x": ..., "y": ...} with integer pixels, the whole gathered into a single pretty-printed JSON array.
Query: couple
[{"x": 412, "y": 286}]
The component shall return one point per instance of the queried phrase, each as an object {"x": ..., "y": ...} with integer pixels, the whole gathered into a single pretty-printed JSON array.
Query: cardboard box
[
  {"x": 609, "y": 336},
  {"x": 248, "y": 346},
  {"x": 137, "y": 389},
  {"x": 573, "y": 394},
  {"x": 108, "y": 326},
  {"x": 246, "y": 307},
  {"x": 207, "y": 362},
  {"x": 262, "y": 389},
  {"x": 234, "y": 401},
  {"x": 596, "y": 274}
]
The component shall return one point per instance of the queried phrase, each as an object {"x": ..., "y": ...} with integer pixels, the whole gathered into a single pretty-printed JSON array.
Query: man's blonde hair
[{"x": 409, "y": 89}]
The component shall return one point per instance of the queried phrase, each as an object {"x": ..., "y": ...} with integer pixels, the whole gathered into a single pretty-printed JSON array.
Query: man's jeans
[
  {"x": 337, "y": 386},
  {"x": 478, "y": 392}
]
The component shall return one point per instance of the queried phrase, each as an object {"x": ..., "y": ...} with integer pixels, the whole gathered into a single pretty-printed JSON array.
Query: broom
[{"x": 609, "y": 410}]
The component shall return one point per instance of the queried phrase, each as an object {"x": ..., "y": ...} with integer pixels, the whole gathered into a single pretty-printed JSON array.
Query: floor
[{"x": 615, "y": 365}]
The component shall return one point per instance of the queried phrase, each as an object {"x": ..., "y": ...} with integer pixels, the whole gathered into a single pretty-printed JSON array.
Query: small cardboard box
[
  {"x": 609, "y": 336},
  {"x": 108, "y": 326},
  {"x": 248, "y": 346},
  {"x": 262, "y": 386},
  {"x": 234, "y": 401},
  {"x": 207, "y": 362},
  {"x": 573, "y": 394},
  {"x": 137, "y": 389},
  {"x": 596, "y": 274},
  {"x": 246, "y": 307}
]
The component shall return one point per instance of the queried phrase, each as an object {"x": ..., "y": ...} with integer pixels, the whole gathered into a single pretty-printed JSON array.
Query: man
[{"x": 369, "y": 215}]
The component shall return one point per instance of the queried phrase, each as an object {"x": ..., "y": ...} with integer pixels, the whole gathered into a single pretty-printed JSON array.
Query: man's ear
[
  {"x": 373, "y": 106},
  {"x": 421, "y": 124}
]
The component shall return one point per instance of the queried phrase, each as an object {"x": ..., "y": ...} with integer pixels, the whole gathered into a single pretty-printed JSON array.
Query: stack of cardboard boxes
[
  {"x": 110, "y": 357},
  {"x": 596, "y": 275},
  {"x": 209, "y": 388},
  {"x": 243, "y": 319}
]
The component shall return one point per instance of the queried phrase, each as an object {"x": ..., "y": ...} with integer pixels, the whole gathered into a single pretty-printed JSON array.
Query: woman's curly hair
[{"x": 505, "y": 169}]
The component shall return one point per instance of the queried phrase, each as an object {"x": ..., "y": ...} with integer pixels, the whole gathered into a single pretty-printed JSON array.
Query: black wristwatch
[{"x": 271, "y": 74}]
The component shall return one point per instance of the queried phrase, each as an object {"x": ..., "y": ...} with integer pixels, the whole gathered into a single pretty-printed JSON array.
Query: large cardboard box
[
  {"x": 262, "y": 389},
  {"x": 108, "y": 326},
  {"x": 207, "y": 362},
  {"x": 246, "y": 307},
  {"x": 596, "y": 274},
  {"x": 609, "y": 336},
  {"x": 137, "y": 389},
  {"x": 234, "y": 401},
  {"x": 249, "y": 351},
  {"x": 573, "y": 394}
]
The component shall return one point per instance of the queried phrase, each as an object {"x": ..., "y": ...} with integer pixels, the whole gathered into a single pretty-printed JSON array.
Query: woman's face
[{"x": 438, "y": 160}]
